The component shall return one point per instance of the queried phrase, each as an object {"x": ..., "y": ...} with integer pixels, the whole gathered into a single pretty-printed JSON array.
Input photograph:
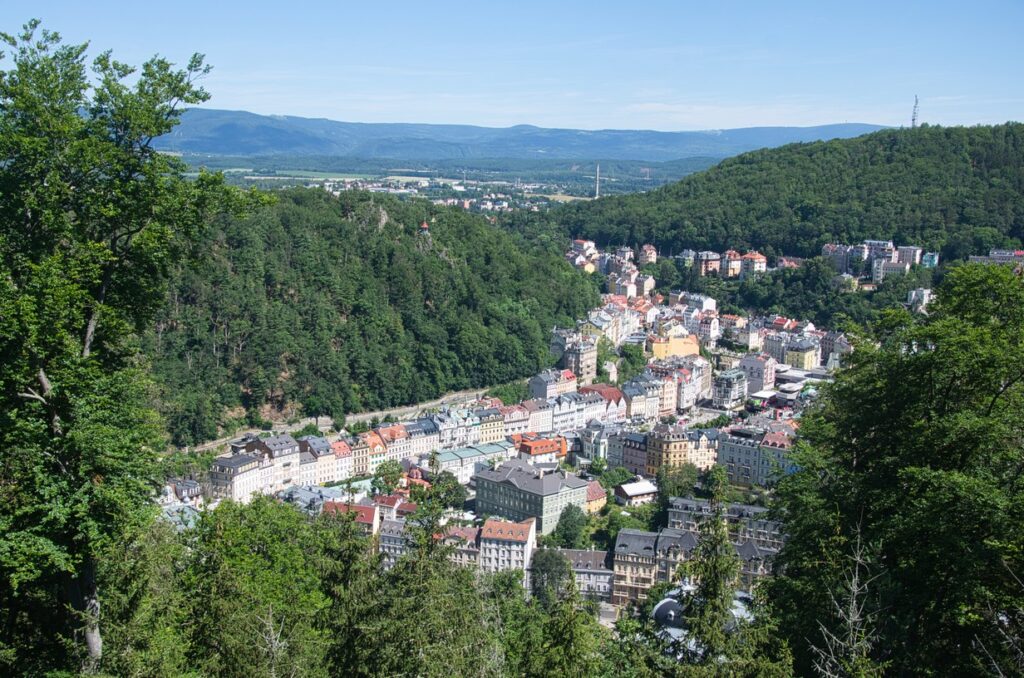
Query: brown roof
[
  {"x": 502, "y": 529},
  {"x": 606, "y": 391},
  {"x": 595, "y": 491}
]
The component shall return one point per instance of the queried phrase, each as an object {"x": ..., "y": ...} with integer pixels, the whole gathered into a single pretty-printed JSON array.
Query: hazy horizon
[{"x": 661, "y": 66}]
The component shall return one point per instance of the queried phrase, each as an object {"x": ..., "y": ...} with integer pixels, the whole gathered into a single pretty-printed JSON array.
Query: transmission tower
[
  {"x": 597, "y": 187},
  {"x": 913, "y": 117}
]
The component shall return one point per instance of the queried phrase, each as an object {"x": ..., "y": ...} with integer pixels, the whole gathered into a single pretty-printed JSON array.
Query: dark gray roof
[
  {"x": 235, "y": 461},
  {"x": 525, "y": 477},
  {"x": 316, "y": 444},
  {"x": 278, "y": 444},
  {"x": 636, "y": 542},
  {"x": 423, "y": 426},
  {"x": 586, "y": 560}
]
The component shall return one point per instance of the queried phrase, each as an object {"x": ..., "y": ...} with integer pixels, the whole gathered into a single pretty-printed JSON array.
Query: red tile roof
[
  {"x": 595, "y": 491},
  {"x": 364, "y": 514},
  {"x": 501, "y": 529}
]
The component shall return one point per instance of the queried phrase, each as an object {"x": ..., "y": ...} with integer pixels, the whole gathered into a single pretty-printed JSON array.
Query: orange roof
[
  {"x": 341, "y": 449},
  {"x": 507, "y": 531},
  {"x": 392, "y": 432},
  {"x": 372, "y": 438},
  {"x": 754, "y": 255},
  {"x": 595, "y": 491}
]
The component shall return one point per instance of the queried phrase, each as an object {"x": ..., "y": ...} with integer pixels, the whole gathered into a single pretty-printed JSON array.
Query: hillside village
[{"x": 713, "y": 389}]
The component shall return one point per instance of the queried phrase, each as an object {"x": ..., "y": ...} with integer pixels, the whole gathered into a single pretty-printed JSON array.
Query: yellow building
[
  {"x": 802, "y": 355},
  {"x": 667, "y": 347}
]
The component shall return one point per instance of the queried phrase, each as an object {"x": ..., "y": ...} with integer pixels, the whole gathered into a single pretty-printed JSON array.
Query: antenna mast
[
  {"x": 913, "y": 118},
  {"x": 597, "y": 188}
]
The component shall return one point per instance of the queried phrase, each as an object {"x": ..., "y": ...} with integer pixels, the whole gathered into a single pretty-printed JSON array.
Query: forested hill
[
  {"x": 342, "y": 304},
  {"x": 959, "y": 190}
]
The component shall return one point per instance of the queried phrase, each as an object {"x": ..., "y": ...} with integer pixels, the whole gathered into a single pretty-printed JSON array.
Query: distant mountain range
[{"x": 206, "y": 131}]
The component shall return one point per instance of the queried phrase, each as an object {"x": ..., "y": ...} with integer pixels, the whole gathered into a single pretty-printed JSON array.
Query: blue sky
[{"x": 648, "y": 65}]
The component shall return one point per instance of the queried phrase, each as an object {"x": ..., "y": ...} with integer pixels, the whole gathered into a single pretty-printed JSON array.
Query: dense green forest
[
  {"x": 956, "y": 190},
  {"x": 343, "y": 305}
]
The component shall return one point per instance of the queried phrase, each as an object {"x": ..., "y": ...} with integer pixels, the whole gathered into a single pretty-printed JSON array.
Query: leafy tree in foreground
[
  {"x": 714, "y": 569},
  {"x": 255, "y": 592},
  {"x": 550, "y": 577},
  {"x": 916, "y": 452},
  {"x": 91, "y": 218}
]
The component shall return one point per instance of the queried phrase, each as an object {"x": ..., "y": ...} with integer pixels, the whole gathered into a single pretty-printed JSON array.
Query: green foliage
[
  {"x": 511, "y": 393},
  {"x": 571, "y": 531},
  {"x": 449, "y": 491},
  {"x": 915, "y": 452},
  {"x": 955, "y": 190},
  {"x": 386, "y": 477},
  {"x": 714, "y": 568},
  {"x": 91, "y": 219},
  {"x": 550, "y": 577},
  {"x": 340, "y": 305},
  {"x": 255, "y": 595},
  {"x": 632, "y": 363},
  {"x": 614, "y": 477},
  {"x": 673, "y": 482}
]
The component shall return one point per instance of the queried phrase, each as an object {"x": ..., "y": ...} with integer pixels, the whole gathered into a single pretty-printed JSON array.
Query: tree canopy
[
  {"x": 92, "y": 219},
  {"x": 955, "y": 190},
  {"x": 910, "y": 478},
  {"x": 329, "y": 305}
]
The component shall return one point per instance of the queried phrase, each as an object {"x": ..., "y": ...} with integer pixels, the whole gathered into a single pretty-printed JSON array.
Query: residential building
[
  {"x": 882, "y": 268},
  {"x": 492, "y": 425},
  {"x": 516, "y": 419},
  {"x": 634, "y": 453},
  {"x": 597, "y": 497},
  {"x": 235, "y": 477},
  {"x": 396, "y": 441},
  {"x": 541, "y": 415},
  {"x": 641, "y": 559},
  {"x": 708, "y": 262},
  {"x": 366, "y": 517},
  {"x": 594, "y": 579},
  {"x": 732, "y": 264},
  {"x": 636, "y": 493},
  {"x": 519, "y": 491},
  {"x": 580, "y": 357},
  {"x": 746, "y": 522},
  {"x": 753, "y": 263},
  {"x": 648, "y": 255},
  {"x": 730, "y": 389},
  {"x": 930, "y": 259},
  {"x": 464, "y": 462},
  {"x": 759, "y": 369},
  {"x": 392, "y": 542},
  {"x": 551, "y": 383},
  {"x": 342, "y": 450},
  {"x": 802, "y": 354},
  {"x": 909, "y": 254},
  {"x": 423, "y": 435},
  {"x": 507, "y": 545},
  {"x": 674, "y": 446}
]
